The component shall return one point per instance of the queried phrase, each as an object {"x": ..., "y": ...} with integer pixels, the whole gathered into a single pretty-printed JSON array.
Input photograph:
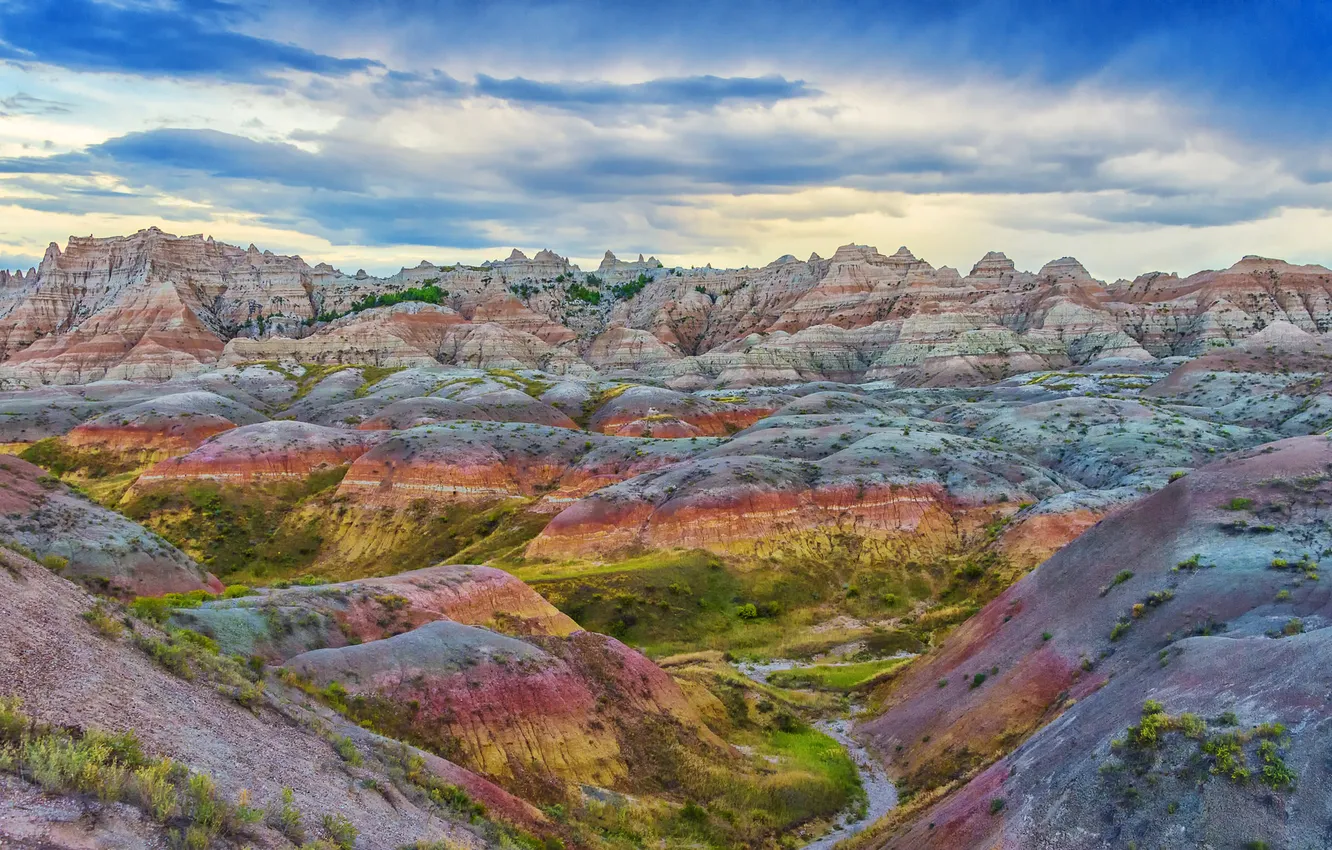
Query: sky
[{"x": 1135, "y": 136}]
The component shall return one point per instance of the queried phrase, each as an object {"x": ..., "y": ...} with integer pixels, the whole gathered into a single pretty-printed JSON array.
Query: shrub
[
  {"x": 997, "y": 805},
  {"x": 236, "y": 591},
  {"x": 625, "y": 291},
  {"x": 288, "y": 820},
  {"x": 113, "y": 766},
  {"x": 978, "y": 680},
  {"x": 748, "y": 611},
  {"x": 1120, "y": 577},
  {"x": 346, "y": 749},
  {"x": 340, "y": 831},
  {"x": 583, "y": 293},
  {"x": 156, "y": 790},
  {"x": 204, "y": 808},
  {"x": 244, "y": 812},
  {"x": 157, "y": 609},
  {"x": 1238, "y": 504},
  {"x": 101, "y": 619}
]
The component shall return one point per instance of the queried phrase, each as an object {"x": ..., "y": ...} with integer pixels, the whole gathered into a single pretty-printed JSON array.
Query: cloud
[
  {"x": 18, "y": 262},
  {"x": 224, "y": 155},
  {"x": 184, "y": 39},
  {"x": 345, "y": 194},
  {"x": 25, "y": 104},
  {"x": 581, "y": 124},
  {"x": 697, "y": 92}
]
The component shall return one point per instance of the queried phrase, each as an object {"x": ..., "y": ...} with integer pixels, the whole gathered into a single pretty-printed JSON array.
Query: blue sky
[{"x": 1135, "y": 136}]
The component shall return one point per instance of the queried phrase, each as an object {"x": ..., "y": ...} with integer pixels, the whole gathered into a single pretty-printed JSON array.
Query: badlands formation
[
  {"x": 521, "y": 555},
  {"x": 154, "y": 306}
]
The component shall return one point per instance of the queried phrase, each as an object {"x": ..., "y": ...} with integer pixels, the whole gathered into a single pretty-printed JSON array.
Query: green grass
[
  {"x": 102, "y": 474},
  {"x": 230, "y": 529},
  {"x": 115, "y": 768},
  {"x": 531, "y": 386},
  {"x": 371, "y": 375},
  {"x": 837, "y": 677},
  {"x": 677, "y": 601},
  {"x": 61, "y": 460},
  {"x": 258, "y": 534}
]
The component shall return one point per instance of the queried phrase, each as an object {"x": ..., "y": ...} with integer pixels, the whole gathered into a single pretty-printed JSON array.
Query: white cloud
[{"x": 1126, "y": 181}]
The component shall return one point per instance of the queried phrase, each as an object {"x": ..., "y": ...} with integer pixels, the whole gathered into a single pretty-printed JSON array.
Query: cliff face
[{"x": 152, "y": 306}]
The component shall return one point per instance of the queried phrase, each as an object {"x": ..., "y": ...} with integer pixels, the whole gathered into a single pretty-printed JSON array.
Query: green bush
[
  {"x": 625, "y": 291},
  {"x": 288, "y": 819},
  {"x": 101, "y": 618},
  {"x": 340, "y": 831},
  {"x": 582, "y": 293}
]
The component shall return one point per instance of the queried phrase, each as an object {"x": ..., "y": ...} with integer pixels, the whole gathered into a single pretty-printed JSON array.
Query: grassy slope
[
  {"x": 681, "y": 601},
  {"x": 260, "y": 533},
  {"x": 837, "y": 677},
  {"x": 104, "y": 474}
]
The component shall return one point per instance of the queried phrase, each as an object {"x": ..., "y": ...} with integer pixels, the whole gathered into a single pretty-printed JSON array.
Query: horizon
[
  {"x": 1133, "y": 138},
  {"x": 590, "y": 265}
]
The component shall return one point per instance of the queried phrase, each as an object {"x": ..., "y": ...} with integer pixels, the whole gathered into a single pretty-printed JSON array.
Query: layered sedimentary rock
[
  {"x": 171, "y": 424},
  {"x": 1188, "y": 598},
  {"x": 471, "y": 461},
  {"x": 280, "y": 624},
  {"x": 88, "y": 543},
  {"x": 151, "y": 306},
  {"x": 787, "y": 477},
  {"x": 538, "y": 715},
  {"x": 70, "y": 675},
  {"x": 145, "y": 306},
  {"x": 270, "y": 450},
  {"x": 657, "y": 412},
  {"x": 1275, "y": 379}
]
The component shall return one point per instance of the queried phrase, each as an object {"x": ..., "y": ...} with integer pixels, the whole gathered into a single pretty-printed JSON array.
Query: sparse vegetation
[
  {"x": 1224, "y": 753},
  {"x": 427, "y": 293},
  {"x": 115, "y": 768}
]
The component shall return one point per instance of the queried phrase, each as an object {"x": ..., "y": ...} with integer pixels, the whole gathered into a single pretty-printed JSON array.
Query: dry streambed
[{"x": 880, "y": 792}]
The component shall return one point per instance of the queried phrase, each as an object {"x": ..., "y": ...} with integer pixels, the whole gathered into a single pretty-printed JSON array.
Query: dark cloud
[
  {"x": 345, "y": 196},
  {"x": 188, "y": 38},
  {"x": 402, "y": 85},
  {"x": 1181, "y": 210},
  {"x": 18, "y": 262},
  {"x": 224, "y": 155},
  {"x": 357, "y": 188},
  {"x": 1233, "y": 58}
]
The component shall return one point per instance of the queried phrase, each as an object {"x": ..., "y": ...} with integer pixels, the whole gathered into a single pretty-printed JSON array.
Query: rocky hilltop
[{"x": 152, "y": 306}]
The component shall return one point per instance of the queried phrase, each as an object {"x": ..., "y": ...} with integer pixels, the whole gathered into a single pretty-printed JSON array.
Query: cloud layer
[{"x": 400, "y": 128}]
